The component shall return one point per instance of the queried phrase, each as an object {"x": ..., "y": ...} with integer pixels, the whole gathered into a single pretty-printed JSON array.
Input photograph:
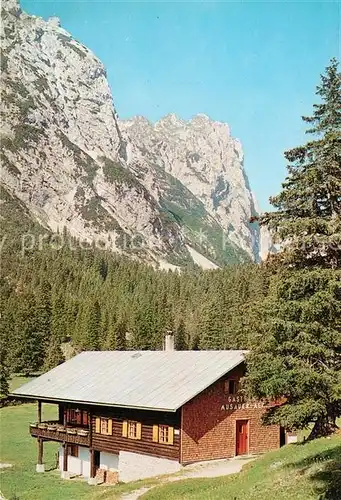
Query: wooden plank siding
[
  {"x": 116, "y": 442},
  {"x": 145, "y": 445}
]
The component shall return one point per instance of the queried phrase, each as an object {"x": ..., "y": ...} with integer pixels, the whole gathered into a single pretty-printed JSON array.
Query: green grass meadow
[
  {"x": 309, "y": 471},
  {"x": 302, "y": 471},
  {"x": 21, "y": 482}
]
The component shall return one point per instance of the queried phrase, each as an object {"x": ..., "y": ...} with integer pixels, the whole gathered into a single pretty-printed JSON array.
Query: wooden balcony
[{"x": 54, "y": 431}]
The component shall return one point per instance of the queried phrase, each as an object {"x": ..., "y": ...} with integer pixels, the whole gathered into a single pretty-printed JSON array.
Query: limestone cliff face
[
  {"x": 203, "y": 156},
  {"x": 62, "y": 152},
  {"x": 152, "y": 191}
]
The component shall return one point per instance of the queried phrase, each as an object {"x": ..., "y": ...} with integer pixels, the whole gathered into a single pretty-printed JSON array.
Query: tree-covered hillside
[{"x": 58, "y": 291}]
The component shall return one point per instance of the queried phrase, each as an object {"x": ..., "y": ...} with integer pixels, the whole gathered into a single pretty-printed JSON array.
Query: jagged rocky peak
[
  {"x": 54, "y": 21},
  {"x": 203, "y": 155},
  {"x": 170, "y": 120}
]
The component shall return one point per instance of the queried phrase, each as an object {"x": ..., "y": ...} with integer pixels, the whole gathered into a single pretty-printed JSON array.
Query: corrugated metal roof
[{"x": 156, "y": 380}]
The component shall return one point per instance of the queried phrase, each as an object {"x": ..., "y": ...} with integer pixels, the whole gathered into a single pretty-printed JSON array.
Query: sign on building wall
[{"x": 239, "y": 403}]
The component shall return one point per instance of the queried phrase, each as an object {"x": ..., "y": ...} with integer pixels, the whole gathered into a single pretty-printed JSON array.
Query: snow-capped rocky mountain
[{"x": 164, "y": 192}]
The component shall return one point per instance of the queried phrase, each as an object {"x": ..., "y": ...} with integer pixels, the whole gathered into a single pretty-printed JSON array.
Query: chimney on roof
[{"x": 168, "y": 344}]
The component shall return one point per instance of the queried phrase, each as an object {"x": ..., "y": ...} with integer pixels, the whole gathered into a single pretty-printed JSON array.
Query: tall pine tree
[
  {"x": 180, "y": 337},
  {"x": 120, "y": 335},
  {"x": 54, "y": 355},
  {"x": 297, "y": 352},
  {"x": 26, "y": 353},
  {"x": 211, "y": 324},
  {"x": 43, "y": 312}
]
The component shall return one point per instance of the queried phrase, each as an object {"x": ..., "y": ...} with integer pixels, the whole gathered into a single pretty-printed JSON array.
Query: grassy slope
[
  {"x": 309, "y": 471},
  {"x": 21, "y": 481}
]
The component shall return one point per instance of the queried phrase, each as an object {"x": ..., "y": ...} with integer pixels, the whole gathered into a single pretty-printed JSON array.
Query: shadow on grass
[
  {"x": 51, "y": 468},
  {"x": 328, "y": 473}
]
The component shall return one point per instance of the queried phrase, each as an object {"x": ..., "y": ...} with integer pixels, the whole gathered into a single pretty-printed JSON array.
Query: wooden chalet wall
[
  {"x": 209, "y": 424},
  {"x": 116, "y": 442},
  {"x": 145, "y": 445}
]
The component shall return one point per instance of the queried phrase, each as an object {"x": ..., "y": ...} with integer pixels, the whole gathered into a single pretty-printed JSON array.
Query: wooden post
[
  {"x": 60, "y": 414},
  {"x": 64, "y": 457},
  {"x": 181, "y": 433},
  {"x": 40, "y": 466},
  {"x": 40, "y": 451},
  {"x": 39, "y": 412},
  {"x": 64, "y": 473},
  {"x": 92, "y": 463},
  {"x": 90, "y": 428},
  {"x": 92, "y": 479}
]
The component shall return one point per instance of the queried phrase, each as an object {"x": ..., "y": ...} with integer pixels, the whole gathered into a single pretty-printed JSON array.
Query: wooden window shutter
[
  {"x": 138, "y": 430},
  {"x": 125, "y": 429},
  {"x": 110, "y": 426},
  {"x": 170, "y": 435},
  {"x": 155, "y": 433},
  {"x": 85, "y": 418},
  {"x": 98, "y": 425}
]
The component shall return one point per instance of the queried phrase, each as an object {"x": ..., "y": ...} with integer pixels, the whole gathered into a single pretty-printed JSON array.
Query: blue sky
[{"x": 252, "y": 64}]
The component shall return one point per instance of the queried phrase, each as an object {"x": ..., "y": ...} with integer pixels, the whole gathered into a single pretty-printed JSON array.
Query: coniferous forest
[{"x": 88, "y": 299}]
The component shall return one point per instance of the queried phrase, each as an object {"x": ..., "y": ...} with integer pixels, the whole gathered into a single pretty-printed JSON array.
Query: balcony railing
[{"x": 54, "y": 431}]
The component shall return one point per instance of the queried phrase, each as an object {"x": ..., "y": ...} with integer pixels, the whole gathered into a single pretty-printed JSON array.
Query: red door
[{"x": 242, "y": 437}]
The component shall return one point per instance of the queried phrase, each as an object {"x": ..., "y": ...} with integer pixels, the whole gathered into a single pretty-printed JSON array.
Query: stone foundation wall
[{"x": 134, "y": 466}]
